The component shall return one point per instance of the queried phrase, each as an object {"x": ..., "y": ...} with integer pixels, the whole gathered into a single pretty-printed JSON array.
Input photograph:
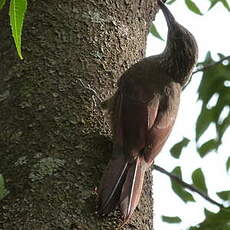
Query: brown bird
[{"x": 143, "y": 111}]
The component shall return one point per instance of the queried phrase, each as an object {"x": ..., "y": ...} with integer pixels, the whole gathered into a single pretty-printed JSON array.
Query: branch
[
  {"x": 186, "y": 185},
  {"x": 211, "y": 65}
]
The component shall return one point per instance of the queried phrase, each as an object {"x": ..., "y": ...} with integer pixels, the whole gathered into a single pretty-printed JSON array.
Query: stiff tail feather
[
  {"x": 111, "y": 185},
  {"x": 121, "y": 184},
  {"x": 132, "y": 187}
]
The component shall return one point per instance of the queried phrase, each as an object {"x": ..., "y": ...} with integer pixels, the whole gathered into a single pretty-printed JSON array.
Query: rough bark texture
[{"x": 54, "y": 140}]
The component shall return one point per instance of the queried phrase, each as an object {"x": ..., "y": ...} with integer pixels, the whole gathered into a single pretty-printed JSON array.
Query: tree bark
[{"x": 54, "y": 140}]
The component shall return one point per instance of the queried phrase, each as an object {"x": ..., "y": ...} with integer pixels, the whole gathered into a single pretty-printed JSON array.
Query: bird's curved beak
[{"x": 169, "y": 17}]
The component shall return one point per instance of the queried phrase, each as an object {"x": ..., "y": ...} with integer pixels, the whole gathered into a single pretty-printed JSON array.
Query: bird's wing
[
  {"x": 134, "y": 126},
  {"x": 133, "y": 117},
  {"x": 161, "y": 127},
  {"x": 136, "y": 118}
]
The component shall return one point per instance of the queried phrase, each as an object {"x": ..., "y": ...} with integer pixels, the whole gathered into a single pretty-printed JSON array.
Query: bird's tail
[
  {"x": 111, "y": 184},
  {"x": 121, "y": 184},
  {"x": 132, "y": 187}
]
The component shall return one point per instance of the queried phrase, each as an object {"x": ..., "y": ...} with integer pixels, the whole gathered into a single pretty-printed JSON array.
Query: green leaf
[
  {"x": 208, "y": 213},
  {"x": 215, "y": 221},
  {"x": 198, "y": 180},
  {"x": 155, "y": 33},
  {"x": 224, "y": 2},
  {"x": 17, "y": 13},
  {"x": 3, "y": 191},
  {"x": 205, "y": 118},
  {"x": 221, "y": 55},
  {"x": 210, "y": 80},
  {"x": 177, "y": 148},
  {"x": 228, "y": 164},
  {"x": 170, "y": 2},
  {"x": 218, "y": 107},
  {"x": 171, "y": 219},
  {"x": 193, "y": 7},
  {"x": 208, "y": 147},
  {"x": 224, "y": 195},
  {"x": 222, "y": 127},
  {"x": 177, "y": 172},
  {"x": 213, "y": 83},
  {"x": 213, "y": 3},
  {"x": 226, "y": 5},
  {"x": 2, "y": 3},
  {"x": 178, "y": 189}
]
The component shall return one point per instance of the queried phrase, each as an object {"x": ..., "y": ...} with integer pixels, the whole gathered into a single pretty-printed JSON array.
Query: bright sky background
[{"x": 212, "y": 33}]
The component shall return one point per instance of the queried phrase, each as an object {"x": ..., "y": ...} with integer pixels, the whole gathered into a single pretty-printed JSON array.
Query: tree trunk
[{"x": 54, "y": 140}]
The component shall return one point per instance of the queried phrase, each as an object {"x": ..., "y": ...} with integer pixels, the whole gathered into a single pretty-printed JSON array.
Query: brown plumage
[{"x": 143, "y": 112}]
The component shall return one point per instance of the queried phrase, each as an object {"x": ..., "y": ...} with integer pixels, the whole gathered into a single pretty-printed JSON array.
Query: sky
[{"x": 211, "y": 33}]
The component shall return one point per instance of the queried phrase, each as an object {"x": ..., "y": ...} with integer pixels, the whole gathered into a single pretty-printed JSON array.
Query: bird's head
[{"x": 181, "y": 48}]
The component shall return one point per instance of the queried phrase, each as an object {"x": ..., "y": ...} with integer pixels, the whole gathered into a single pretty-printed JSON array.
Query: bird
[{"x": 142, "y": 113}]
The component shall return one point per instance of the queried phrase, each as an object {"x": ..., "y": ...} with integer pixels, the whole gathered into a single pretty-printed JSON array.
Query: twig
[
  {"x": 186, "y": 185},
  {"x": 211, "y": 65}
]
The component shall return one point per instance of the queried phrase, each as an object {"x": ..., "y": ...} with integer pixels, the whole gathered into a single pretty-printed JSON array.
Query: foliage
[
  {"x": 224, "y": 2},
  {"x": 198, "y": 180},
  {"x": 193, "y": 7},
  {"x": 178, "y": 189},
  {"x": 228, "y": 164},
  {"x": 214, "y": 83},
  {"x": 17, "y": 11},
  {"x": 2, "y": 3},
  {"x": 171, "y": 219},
  {"x": 154, "y": 32},
  {"x": 214, "y": 221},
  {"x": 224, "y": 195},
  {"x": 176, "y": 150},
  {"x": 3, "y": 190}
]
